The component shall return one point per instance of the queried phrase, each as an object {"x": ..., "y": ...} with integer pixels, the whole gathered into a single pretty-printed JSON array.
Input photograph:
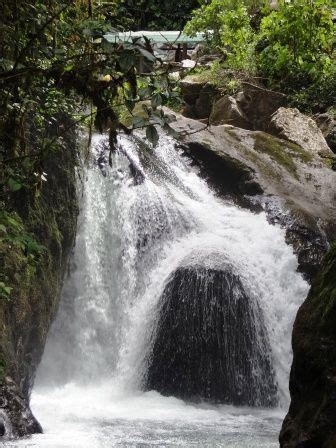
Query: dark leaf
[
  {"x": 14, "y": 185},
  {"x": 152, "y": 134}
]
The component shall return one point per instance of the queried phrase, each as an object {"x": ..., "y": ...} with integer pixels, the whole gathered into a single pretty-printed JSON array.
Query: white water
[{"x": 88, "y": 389}]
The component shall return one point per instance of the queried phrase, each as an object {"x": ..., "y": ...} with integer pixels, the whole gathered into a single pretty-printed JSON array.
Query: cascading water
[{"x": 153, "y": 240}]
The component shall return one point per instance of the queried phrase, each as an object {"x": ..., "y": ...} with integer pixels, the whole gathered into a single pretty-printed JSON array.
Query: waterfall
[{"x": 150, "y": 230}]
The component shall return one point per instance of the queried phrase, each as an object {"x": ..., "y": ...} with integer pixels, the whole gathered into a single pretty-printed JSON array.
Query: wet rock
[
  {"x": 25, "y": 319},
  {"x": 2, "y": 427},
  {"x": 295, "y": 186},
  {"x": 292, "y": 125},
  {"x": 226, "y": 174},
  {"x": 16, "y": 418},
  {"x": 311, "y": 420},
  {"x": 211, "y": 342}
]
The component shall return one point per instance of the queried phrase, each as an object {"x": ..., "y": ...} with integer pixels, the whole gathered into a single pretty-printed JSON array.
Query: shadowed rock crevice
[{"x": 211, "y": 343}]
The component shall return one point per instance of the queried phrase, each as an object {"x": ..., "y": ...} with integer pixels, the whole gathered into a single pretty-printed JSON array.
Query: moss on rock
[
  {"x": 283, "y": 153},
  {"x": 33, "y": 262}
]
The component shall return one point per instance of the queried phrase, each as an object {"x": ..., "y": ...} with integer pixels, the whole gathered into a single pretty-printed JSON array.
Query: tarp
[{"x": 156, "y": 37}]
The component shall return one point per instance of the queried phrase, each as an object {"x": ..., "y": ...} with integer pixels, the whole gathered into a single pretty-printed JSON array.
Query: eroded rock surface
[
  {"x": 292, "y": 183},
  {"x": 226, "y": 110},
  {"x": 211, "y": 342}
]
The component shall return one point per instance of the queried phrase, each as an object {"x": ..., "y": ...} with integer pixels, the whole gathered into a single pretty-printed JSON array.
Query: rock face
[
  {"x": 311, "y": 420},
  {"x": 295, "y": 186},
  {"x": 292, "y": 125},
  {"x": 252, "y": 108},
  {"x": 327, "y": 124},
  {"x": 259, "y": 104},
  {"x": 198, "y": 96},
  {"x": 16, "y": 418},
  {"x": 211, "y": 341},
  {"x": 227, "y": 111},
  {"x": 25, "y": 319}
]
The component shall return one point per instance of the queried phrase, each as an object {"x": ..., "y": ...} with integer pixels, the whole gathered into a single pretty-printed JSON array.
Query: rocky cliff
[
  {"x": 311, "y": 420},
  {"x": 45, "y": 222}
]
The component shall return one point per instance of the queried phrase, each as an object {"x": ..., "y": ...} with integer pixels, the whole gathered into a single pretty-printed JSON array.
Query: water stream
[{"x": 136, "y": 228}]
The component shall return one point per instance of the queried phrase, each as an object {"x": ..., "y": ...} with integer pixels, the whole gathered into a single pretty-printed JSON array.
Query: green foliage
[
  {"x": 54, "y": 59},
  {"x": 5, "y": 291},
  {"x": 228, "y": 27},
  {"x": 14, "y": 237},
  {"x": 317, "y": 96},
  {"x": 291, "y": 48},
  {"x": 298, "y": 42}
]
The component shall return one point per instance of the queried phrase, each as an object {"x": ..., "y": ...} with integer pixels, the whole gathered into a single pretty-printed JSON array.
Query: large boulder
[
  {"x": 295, "y": 186},
  {"x": 259, "y": 104},
  {"x": 226, "y": 110},
  {"x": 211, "y": 342},
  {"x": 292, "y": 125},
  {"x": 311, "y": 420},
  {"x": 199, "y": 96}
]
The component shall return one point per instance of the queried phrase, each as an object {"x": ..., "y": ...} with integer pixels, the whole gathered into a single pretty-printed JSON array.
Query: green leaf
[
  {"x": 152, "y": 134},
  {"x": 14, "y": 185},
  {"x": 126, "y": 61},
  {"x": 130, "y": 104},
  {"x": 156, "y": 100},
  {"x": 13, "y": 223},
  {"x": 5, "y": 290}
]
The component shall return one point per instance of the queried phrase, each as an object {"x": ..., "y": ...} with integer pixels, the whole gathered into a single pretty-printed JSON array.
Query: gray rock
[
  {"x": 311, "y": 419},
  {"x": 251, "y": 108},
  {"x": 204, "y": 102},
  {"x": 327, "y": 124},
  {"x": 190, "y": 89},
  {"x": 198, "y": 96},
  {"x": 17, "y": 419},
  {"x": 227, "y": 111},
  {"x": 292, "y": 125},
  {"x": 259, "y": 104}
]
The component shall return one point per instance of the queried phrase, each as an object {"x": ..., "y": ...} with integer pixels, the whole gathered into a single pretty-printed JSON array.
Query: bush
[
  {"x": 298, "y": 43},
  {"x": 228, "y": 28}
]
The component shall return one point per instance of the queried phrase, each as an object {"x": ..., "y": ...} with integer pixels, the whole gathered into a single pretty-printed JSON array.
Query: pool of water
[{"x": 85, "y": 417}]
